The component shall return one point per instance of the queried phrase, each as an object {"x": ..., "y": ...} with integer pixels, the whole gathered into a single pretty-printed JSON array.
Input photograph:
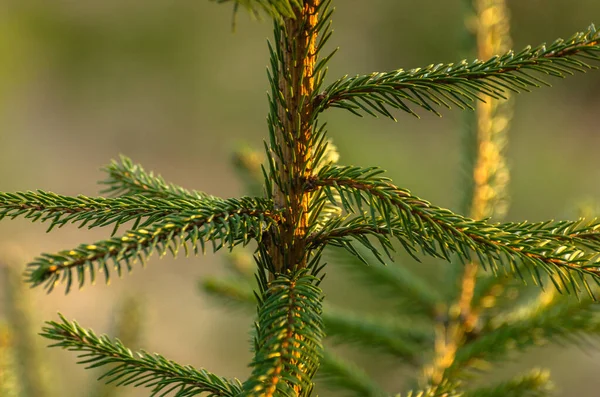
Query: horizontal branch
[
  {"x": 346, "y": 376},
  {"x": 232, "y": 291},
  {"x": 92, "y": 212},
  {"x": 138, "y": 369},
  {"x": 225, "y": 223},
  {"x": 400, "y": 338},
  {"x": 535, "y": 383},
  {"x": 554, "y": 318},
  {"x": 128, "y": 178},
  {"x": 461, "y": 84},
  {"x": 559, "y": 249},
  {"x": 395, "y": 283},
  {"x": 277, "y": 9}
]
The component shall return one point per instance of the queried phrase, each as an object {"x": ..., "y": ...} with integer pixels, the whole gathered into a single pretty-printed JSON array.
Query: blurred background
[{"x": 169, "y": 84}]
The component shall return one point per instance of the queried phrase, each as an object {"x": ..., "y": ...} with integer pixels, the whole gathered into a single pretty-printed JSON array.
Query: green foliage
[
  {"x": 169, "y": 227},
  {"x": 348, "y": 377},
  {"x": 60, "y": 210},
  {"x": 414, "y": 295},
  {"x": 162, "y": 376},
  {"x": 127, "y": 325},
  {"x": 534, "y": 384},
  {"x": 461, "y": 84},
  {"x": 550, "y": 318},
  {"x": 24, "y": 370},
  {"x": 288, "y": 338},
  {"x": 567, "y": 251},
  {"x": 9, "y": 386},
  {"x": 307, "y": 203},
  {"x": 277, "y": 9},
  {"x": 400, "y": 337},
  {"x": 127, "y": 178}
]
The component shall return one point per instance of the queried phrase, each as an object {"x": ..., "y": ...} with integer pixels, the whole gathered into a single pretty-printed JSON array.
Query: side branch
[
  {"x": 140, "y": 369},
  {"x": 460, "y": 84},
  {"x": 559, "y": 249},
  {"x": 347, "y": 376},
  {"x": 535, "y": 383},
  {"x": 59, "y": 210},
  {"x": 277, "y": 9},
  {"x": 555, "y": 318},
  {"x": 223, "y": 222},
  {"x": 127, "y": 178}
]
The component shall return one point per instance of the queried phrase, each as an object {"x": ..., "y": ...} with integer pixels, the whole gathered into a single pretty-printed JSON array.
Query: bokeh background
[{"x": 169, "y": 84}]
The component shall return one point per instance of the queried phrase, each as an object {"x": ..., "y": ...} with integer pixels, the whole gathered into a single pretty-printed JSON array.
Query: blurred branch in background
[
  {"x": 24, "y": 366},
  {"x": 128, "y": 326},
  {"x": 485, "y": 177},
  {"x": 31, "y": 368},
  {"x": 9, "y": 385}
]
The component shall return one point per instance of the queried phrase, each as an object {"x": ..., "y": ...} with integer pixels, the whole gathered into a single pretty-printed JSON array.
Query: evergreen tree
[{"x": 308, "y": 203}]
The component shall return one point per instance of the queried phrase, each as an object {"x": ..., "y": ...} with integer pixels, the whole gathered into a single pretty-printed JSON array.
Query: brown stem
[{"x": 294, "y": 135}]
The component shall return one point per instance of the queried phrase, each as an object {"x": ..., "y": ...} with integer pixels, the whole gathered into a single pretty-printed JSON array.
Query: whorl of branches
[{"x": 311, "y": 203}]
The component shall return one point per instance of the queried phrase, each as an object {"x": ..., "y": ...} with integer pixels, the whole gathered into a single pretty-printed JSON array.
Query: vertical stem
[
  {"x": 294, "y": 135},
  {"x": 292, "y": 162}
]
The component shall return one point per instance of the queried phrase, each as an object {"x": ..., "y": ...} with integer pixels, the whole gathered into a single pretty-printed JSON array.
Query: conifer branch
[
  {"x": 486, "y": 177},
  {"x": 536, "y": 383},
  {"x": 343, "y": 231},
  {"x": 248, "y": 165},
  {"x": 394, "y": 282},
  {"x": 311, "y": 203},
  {"x": 288, "y": 341},
  {"x": 582, "y": 233},
  {"x": 551, "y": 318},
  {"x": 485, "y": 171},
  {"x": 127, "y": 327},
  {"x": 277, "y": 9},
  {"x": 138, "y": 369},
  {"x": 225, "y": 223},
  {"x": 128, "y": 178},
  {"x": 489, "y": 288},
  {"x": 461, "y": 84},
  {"x": 230, "y": 291},
  {"x": 347, "y": 376},
  {"x": 399, "y": 337},
  {"x": 440, "y": 232},
  {"x": 92, "y": 212},
  {"x": 430, "y": 393}
]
